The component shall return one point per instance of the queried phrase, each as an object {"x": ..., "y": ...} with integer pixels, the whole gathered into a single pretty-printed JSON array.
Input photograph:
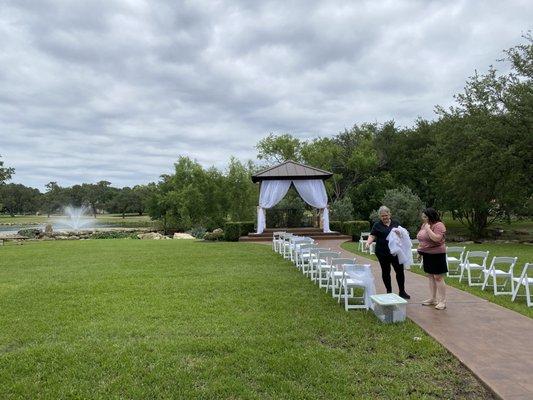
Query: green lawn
[
  {"x": 130, "y": 319},
  {"x": 524, "y": 253},
  {"x": 516, "y": 230}
]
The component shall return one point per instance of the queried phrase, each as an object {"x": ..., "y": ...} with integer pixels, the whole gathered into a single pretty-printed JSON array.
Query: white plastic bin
[{"x": 389, "y": 307}]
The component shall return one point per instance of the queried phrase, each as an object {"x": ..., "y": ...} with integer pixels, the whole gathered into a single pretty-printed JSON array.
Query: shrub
[
  {"x": 342, "y": 210},
  {"x": 405, "y": 207},
  {"x": 217, "y": 234},
  {"x": 354, "y": 228},
  {"x": 234, "y": 230},
  {"x": 198, "y": 232},
  {"x": 114, "y": 235},
  {"x": 30, "y": 233},
  {"x": 335, "y": 226}
]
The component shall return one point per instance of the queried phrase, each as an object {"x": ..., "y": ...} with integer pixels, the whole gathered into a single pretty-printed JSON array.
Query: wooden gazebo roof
[{"x": 291, "y": 170}]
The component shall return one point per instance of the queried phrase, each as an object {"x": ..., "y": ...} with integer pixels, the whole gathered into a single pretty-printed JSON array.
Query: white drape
[
  {"x": 271, "y": 194},
  {"x": 365, "y": 277},
  {"x": 314, "y": 193}
]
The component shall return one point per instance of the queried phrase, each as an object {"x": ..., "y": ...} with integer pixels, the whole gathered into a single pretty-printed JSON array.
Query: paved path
[{"x": 495, "y": 343}]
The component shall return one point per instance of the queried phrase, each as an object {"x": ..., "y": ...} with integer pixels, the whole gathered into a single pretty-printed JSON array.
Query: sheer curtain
[
  {"x": 271, "y": 194},
  {"x": 314, "y": 193}
]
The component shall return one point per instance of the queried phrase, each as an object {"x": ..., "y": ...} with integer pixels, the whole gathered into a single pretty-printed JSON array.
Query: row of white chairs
[
  {"x": 340, "y": 276},
  {"x": 472, "y": 266}
]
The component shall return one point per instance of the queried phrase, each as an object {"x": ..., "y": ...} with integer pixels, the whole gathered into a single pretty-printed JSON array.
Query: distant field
[{"x": 131, "y": 220}]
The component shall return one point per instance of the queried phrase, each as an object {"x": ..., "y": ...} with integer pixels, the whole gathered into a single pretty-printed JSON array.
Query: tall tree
[
  {"x": 5, "y": 172},
  {"x": 19, "y": 199},
  {"x": 486, "y": 143},
  {"x": 275, "y": 149}
]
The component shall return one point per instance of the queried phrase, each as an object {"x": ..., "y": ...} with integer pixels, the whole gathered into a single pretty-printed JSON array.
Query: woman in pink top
[{"x": 433, "y": 252}]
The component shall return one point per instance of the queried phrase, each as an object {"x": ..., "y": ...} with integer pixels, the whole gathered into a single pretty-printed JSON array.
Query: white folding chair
[
  {"x": 295, "y": 248},
  {"x": 454, "y": 259},
  {"x": 351, "y": 280},
  {"x": 324, "y": 266},
  {"x": 303, "y": 254},
  {"x": 414, "y": 252},
  {"x": 469, "y": 265},
  {"x": 506, "y": 263},
  {"x": 276, "y": 240},
  {"x": 312, "y": 268},
  {"x": 372, "y": 248},
  {"x": 285, "y": 245},
  {"x": 335, "y": 274},
  {"x": 526, "y": 280},
  {"x": 362, "y": 240}
]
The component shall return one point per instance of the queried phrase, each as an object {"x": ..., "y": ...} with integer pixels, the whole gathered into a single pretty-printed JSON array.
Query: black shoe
[{"x": 404, "y": 295}]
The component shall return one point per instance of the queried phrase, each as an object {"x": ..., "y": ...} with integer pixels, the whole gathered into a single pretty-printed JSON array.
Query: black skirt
[{"x": 434, "y": 263}]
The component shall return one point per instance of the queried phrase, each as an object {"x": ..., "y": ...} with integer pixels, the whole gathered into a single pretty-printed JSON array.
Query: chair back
[
  {"x": 509, "y": 261},
  {"x": 456, "y": 250},
  {"x": 483, "y": 255},
  {"x": 364, "y": 235},
  {"x": 527, "y": 271},
  {"x": 327, "y": 255},
  {"x": 354, "y": 268},
  {"x": 338, "y": 263}
]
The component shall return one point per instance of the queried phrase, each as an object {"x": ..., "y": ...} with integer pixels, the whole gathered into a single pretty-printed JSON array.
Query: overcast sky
[{"x": 117, "y": 90}]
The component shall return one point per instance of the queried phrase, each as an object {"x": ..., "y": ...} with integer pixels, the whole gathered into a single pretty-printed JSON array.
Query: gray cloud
[{"x": 117, "y": 90}]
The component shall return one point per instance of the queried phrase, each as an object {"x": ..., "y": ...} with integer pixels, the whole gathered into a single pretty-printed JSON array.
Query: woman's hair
[
  {"x": 383, "y": 209},
  {"x": 432, "y": 214}
]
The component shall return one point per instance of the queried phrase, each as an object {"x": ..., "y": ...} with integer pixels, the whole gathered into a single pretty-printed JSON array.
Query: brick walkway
[{"x": 495, "y": 343}]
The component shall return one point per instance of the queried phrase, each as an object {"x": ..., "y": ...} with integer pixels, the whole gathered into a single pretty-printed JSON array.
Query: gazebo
[{"x": 276, "y": 181}]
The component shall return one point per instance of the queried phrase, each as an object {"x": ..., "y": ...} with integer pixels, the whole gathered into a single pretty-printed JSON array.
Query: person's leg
[
  {"x": 441, "y": 291},
  {"x": 432, "y": 301},
  {"x": 400, "y": 277},
  {"x": 384, "y": 263}
]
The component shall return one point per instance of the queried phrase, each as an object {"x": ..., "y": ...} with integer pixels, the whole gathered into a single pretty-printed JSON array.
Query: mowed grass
[
  {"x": 127, "y": 319},
  {"x": 524, "y": 252}
]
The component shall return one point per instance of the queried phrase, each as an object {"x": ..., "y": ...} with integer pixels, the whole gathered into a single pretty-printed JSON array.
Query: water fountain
[{"x": 76, "y": 219}]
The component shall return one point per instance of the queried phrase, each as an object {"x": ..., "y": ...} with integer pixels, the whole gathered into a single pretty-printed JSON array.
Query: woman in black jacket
[{"x": 379, "y": 233}]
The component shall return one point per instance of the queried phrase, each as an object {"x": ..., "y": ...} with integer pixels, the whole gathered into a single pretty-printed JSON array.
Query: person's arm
[
  {"x": 369, "y": 241},
  {"x": 438, "y": 235},
  {"x": 371, "y": 237}
]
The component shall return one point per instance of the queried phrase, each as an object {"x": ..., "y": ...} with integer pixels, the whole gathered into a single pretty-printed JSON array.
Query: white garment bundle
[
  {"x": 366, "y": 279},
  {"x": 400, "y": 245}
]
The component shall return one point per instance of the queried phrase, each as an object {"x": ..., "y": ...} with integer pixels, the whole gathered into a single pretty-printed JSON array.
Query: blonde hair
[{"x": 383, "y": 209}]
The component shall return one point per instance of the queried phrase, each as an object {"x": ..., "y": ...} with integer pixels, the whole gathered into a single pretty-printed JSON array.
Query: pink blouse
[{"x": 429, "y": 246}]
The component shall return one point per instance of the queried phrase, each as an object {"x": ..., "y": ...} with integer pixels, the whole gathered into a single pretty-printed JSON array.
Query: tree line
[{"x": 473, "y": 160}]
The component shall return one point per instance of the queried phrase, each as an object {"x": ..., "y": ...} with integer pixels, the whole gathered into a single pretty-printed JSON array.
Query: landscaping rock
[
  {"x": 151, "y": 236},
  {"x": 178, "y": 235}
]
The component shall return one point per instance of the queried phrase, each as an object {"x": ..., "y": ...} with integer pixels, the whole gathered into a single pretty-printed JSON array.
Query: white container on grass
[{"x": 389, "y": 307}]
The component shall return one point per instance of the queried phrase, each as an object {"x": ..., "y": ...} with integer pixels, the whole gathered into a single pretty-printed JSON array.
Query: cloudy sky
[{"x": 118, "y": 89}]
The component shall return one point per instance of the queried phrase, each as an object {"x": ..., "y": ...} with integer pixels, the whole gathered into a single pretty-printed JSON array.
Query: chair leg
[
  {"x": 515, "y": 293},
  {"x": 485, "y": 281},
  {"x": 345, "y": 298}
]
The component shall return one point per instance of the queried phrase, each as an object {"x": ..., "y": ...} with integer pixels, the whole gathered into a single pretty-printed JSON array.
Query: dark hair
[{"x": 432, "y": 214}]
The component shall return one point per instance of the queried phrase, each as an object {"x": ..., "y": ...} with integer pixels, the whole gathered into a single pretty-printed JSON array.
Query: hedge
[
  {"x": 354, "y": 228},
  {"x": 335, "y": 226},
  {"x": 234, "y": 230}
]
